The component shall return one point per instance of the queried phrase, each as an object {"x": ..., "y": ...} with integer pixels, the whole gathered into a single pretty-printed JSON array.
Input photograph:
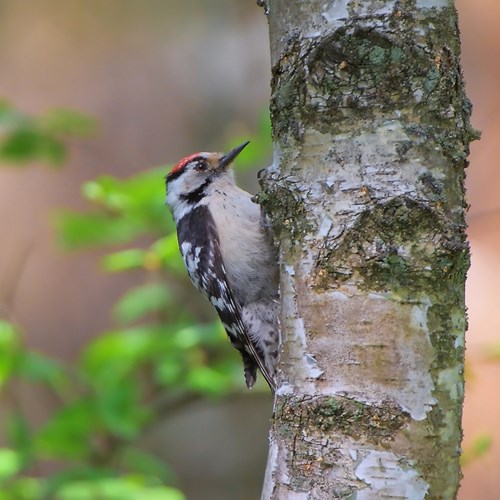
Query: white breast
[{"x": 247, "y": 255}]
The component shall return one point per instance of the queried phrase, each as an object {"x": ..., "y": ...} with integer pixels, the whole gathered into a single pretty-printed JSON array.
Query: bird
[{"x": 227, "y": 247}]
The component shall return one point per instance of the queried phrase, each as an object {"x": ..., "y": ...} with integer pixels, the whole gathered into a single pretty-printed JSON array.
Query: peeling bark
[{"x": 371, "y": 132}]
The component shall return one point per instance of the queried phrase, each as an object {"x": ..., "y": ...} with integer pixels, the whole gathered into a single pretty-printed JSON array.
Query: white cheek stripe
[{"x": 178, "y": 206}]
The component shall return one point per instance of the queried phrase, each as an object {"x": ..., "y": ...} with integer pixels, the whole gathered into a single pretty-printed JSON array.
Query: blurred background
[{"x": 162, "y": 79}]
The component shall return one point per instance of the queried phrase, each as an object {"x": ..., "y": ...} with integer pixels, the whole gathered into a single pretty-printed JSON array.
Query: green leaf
[
  {"x": 120, "y": 409},
  {"x": 30, "y": 144},
  {"x": 124, "y": 488},
  {"x": 207, "y": 380},
  {"x": 84, "y": 473},
  {"x": 10, "y": 463},
  {"x": 113, "y": 355},
  {"x": 162, "y": 254},
  {"x": 207, "y": 334},
  {"x": 171, "y": 372},
  {"x": 140, "y": 462},
  {"x": 23, "y": 488},
  {"x": 142, "y": 300},
  {"x": 19, "y": 435},
  {"x": 39, "y": 368},
  {"x": 167, "y": 251},
  {"x": 100, "y": 192},
  {"x": 11, "y": 118},
  {"x": 140, "y": 195},
  {"x": 480, "y": 445},
  {"x": 10, "y": 347},
  {"x": 68, "y": 434},
  {"x": 67, "y": 122},
  {"x": 25, "y": 139},
  {"x": 78, "y": 230},
  {"x": 131, "y": 207},
  {"x": 124, "y": 260}
]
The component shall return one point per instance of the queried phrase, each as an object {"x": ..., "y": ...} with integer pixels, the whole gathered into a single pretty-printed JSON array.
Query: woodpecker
[{"x": 227, "y": 248}]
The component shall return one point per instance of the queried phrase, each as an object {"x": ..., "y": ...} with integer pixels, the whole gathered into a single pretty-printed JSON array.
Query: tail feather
[{"x": 250, "y": 370}]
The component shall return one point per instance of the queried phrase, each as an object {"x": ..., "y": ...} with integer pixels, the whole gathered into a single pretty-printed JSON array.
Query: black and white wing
[{"x": 199, "y": 245}]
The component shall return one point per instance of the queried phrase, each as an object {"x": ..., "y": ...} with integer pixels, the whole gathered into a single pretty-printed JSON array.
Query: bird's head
[{"x": 189, "y": 180}]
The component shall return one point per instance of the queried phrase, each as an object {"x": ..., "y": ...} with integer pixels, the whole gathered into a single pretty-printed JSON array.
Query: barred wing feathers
[{"x": 199, "y": 245}]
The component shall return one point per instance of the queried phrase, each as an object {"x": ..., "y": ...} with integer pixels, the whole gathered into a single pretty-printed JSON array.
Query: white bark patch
[
  {"x": 297, "y": 495},
  {"x": 374, "y": 7},
  {"x": 284, "y": 389},
  {"x": 419, "y": 318},
  {"x": 314, "y": 370},
  {"x": 451, "y": 380},
  {"x": 392, "y": 364},
  {"x": 375, "y": 150},
  {"x": 276, "y": 159},
  {"x": 432, "y": 4},
  {"x": 337, "y": 10},
  {"x": 272, "y": 461},
  {"x": 302, "y": 361},
  {"x": 386, "y": 477},
  {"x": 325, "y": 227},
  {"x": 308, "y": 363},
  {"x": 458, "y": 322},
  {"x": 277, "y": 477},
  {"x": 338, "y": 295}
]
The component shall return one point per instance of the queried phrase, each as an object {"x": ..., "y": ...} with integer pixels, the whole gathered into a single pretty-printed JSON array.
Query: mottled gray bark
[{"x": 371, "y": 132}]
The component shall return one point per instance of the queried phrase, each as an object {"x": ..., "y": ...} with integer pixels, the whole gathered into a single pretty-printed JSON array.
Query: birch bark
[{"x": 371, "y": 132}]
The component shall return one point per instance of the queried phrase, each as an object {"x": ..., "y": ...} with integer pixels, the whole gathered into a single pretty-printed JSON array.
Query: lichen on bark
[{"x": 401, "y": 245}]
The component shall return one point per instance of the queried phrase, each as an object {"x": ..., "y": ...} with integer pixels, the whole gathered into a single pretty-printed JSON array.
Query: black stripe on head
[
  {"x": 197, "y": 194},
  {"x": 173, "y": 175}
]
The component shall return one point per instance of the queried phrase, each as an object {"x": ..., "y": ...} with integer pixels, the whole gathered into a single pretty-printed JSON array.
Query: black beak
[{"x": 227, "y": 159}]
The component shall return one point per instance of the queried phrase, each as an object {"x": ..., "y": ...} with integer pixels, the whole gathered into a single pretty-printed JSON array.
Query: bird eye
[{"x": 201, "y": 166}]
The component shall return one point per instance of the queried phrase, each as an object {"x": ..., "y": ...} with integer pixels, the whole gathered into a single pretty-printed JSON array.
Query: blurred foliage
[
  {"x": 25, "y": 138},
  {"x": 159, "y": 357},
  {"x": 479, "y": 446},
  {"x": 492, "y": 351}
]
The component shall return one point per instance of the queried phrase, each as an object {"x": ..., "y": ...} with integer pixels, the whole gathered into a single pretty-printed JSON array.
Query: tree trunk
[{"x": 371, "y": 131}]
